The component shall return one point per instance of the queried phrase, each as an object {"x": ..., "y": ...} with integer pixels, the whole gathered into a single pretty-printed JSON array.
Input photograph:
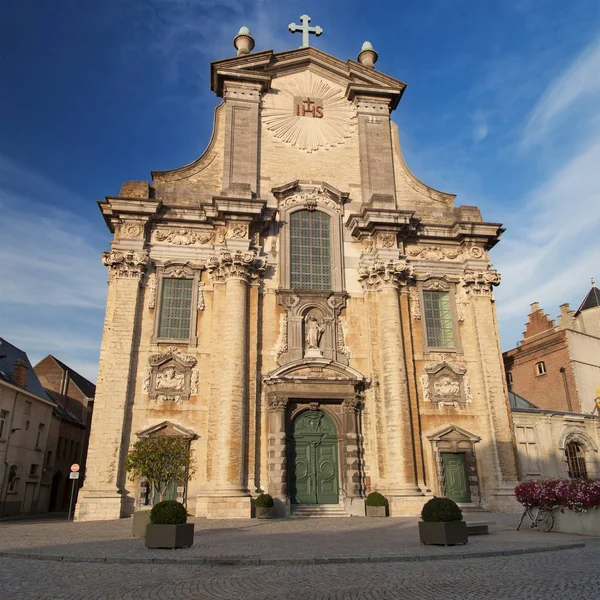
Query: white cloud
[
  {"x": 53, "y": 283},
  {"x": 551, "y": 249},
  {"x": 578, "y": 83}
]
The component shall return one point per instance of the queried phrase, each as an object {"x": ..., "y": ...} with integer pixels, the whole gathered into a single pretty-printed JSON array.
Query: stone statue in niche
[
  {"x": 313, "y": 333},
  {"x": 170, "y": 379}
]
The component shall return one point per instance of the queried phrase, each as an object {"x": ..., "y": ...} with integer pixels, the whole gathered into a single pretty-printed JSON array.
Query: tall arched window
[
  {"x": 576, "y": 460},
  {"x": 310, "y": 250}
]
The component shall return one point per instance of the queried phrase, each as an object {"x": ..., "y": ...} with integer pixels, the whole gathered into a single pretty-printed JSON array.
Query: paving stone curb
[{"x": 248, "y": 561}]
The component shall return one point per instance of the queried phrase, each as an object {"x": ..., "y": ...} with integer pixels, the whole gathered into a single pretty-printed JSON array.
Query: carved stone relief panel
[
  {"x": 182, "y": 237},
  {"x": 311, "y": 327},
  {"x": 446, "y": 385},
  {"x": 170, "y": 377}
]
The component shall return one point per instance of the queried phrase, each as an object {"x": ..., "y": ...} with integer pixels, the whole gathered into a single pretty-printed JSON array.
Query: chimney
[{"x": 19, "y": 373}]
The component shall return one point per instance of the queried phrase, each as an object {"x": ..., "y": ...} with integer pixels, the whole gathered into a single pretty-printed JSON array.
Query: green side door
[{"x": 455, "y": 477}]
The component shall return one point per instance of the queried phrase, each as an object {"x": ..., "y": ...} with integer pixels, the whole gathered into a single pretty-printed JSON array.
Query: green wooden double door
[
  {"x": 313, "y": 459},
  {"x": 456, "y": 479}
]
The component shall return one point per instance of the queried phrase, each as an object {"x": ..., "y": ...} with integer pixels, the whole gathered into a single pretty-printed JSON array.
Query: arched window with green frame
[{"x": 310, "y": 250}]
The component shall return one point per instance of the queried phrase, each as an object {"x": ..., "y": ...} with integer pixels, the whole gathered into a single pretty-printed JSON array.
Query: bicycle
[{"x": 541, "y": 519}]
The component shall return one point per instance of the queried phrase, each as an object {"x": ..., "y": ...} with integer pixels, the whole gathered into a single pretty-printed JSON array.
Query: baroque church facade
[{"x": 315, "y": 320}]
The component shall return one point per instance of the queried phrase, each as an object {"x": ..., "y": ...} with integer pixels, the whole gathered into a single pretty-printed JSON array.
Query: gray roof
[
  {"x": 9, "y": 354},
  {"x": 592, "y": 300},
  {"x": 61, "y": 411},
  {"x": 517, "y": 401}
]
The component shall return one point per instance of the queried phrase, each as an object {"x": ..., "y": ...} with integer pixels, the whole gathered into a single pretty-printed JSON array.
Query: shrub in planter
[
  {"x": 376, "y": 505},
  {"x": 168, "y": 526},
  {"x": 442, "y": 523},
  {"x": 263, "y": 506},
  {"x": 572, "y": 494}
]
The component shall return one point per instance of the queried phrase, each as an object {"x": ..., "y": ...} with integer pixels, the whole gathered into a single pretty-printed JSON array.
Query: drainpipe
[{"x": 566, "y": 384}]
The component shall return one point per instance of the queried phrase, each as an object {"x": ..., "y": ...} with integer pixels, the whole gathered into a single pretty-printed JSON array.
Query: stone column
[
  {"x": 351, "y": 408},
  {"x": 277, "y": 468},
  {"x": 236, "y": 270},
  {"x": 102, "y": 495},
  {"x": 500, "y": 470},
  {"x": 385, "y": 279}
]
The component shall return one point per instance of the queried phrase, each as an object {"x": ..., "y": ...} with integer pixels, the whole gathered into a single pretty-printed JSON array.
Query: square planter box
[
  {"x": 445, "y": 534},
  {"x": 376, "y": 511},
  {"x": 141, "y": 519},
  {"x": 169, "y": 536},
  {"x": 265, "y": 512}
]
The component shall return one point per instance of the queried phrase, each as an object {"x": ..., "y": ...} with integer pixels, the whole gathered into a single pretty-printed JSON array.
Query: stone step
[{"x": 318, "y": 510}]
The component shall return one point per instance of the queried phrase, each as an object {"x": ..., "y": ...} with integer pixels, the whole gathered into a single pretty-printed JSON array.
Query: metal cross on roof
[{"x": 305, "y": 29}]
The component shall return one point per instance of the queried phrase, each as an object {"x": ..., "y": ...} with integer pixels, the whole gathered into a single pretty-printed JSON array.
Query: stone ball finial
[
  {"x": 367, "y": 56},
  {"x": 243, "y": 41}
]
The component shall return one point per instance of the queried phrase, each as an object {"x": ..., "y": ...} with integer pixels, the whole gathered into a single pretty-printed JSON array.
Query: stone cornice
[
  {"x": 370, "y": 220},
  {"x": 246, "y": 266},
  {"x": 127, "y": 264},
  {"x": 115, "y": 209},
  {"x": 380, "y": 274}
]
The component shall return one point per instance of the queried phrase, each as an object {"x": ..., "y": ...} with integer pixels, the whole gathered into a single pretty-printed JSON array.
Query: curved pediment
[{"x": 315, "y": 369}]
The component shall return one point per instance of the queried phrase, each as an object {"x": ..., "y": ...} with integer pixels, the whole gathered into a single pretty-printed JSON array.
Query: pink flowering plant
[{"x": 573, "y": 494}]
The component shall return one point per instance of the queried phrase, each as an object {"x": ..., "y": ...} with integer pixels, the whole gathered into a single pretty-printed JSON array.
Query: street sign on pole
[{"x": 74, "y": 475}]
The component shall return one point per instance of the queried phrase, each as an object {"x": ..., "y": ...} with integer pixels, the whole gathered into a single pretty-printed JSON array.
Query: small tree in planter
[
  {"x": 376, "y": 505},
  {"x": 161, "y": 460},
  {"x": 442, "y": 523},
  {"x": 264, "y": 507},
  {"x": 168, "y": 526}
]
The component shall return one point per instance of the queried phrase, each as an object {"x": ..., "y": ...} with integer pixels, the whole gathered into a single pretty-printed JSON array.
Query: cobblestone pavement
[
  {"x": 293, "y": 539},
  {"x": 568, "y": 574}
]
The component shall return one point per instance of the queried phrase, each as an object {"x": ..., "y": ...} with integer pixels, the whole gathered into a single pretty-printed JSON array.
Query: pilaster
[
  {"x": 502, "y": 462},
  {"x": 399, "y": 482},
  {"x": 102, "y": 495}
]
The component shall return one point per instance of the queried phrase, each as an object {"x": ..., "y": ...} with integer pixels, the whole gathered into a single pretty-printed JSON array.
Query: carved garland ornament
[
  {"x": 374, "y": 276},
  {"x": 152, "y": 285},
  {"x": 127, "y": 264},
  {"x": 445, "y": 253},
  {"x": 236, "y": 265},
  {"x": 182, "y": 237}
]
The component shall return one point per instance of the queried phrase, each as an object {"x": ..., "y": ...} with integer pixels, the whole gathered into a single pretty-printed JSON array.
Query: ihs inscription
[{"x": 308, "y": 107}]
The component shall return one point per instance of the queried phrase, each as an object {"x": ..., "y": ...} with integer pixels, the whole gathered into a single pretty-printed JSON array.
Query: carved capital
[
  {"x": 378, "y": 275},
  {"x": 276, "y": 403},
  {"x": 246, "y": 266},
  {"x": 479, "y": 283},
  {"x": 353, "y": 404},
  {"x": 128, "y": 264}
]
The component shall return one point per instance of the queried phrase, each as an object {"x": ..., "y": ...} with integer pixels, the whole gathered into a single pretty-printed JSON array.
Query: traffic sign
[
  {"x": 74, "y": 468},
  {"x": 74, "y": 475}
]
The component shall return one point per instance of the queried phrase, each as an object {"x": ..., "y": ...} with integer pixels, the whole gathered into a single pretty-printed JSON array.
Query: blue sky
[{"x": 502, "y": 108}]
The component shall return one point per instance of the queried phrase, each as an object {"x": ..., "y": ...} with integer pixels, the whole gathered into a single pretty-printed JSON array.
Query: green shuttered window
[
  {"x": 175, "y": 308},
  {"x": 438, "y": 319},
  {"x": 310, "y": 250}
]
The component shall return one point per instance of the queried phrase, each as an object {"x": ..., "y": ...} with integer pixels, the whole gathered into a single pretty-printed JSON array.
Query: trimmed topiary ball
[
  {"x": 263, "y": 501},
  {"x": 441, "y": 509},
  {"x": 168, "y": 512},
  {"x": 375, "y": 499}
]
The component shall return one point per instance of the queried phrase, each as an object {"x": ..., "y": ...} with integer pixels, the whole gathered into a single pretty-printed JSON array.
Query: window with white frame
[
  {"x": 175, "y": 316},
  {"x": 439, "y": 325},
  {"x": 3, "y": 424},
  {"x": 528, "y": 450},
  {"x": 509, "y": 378},
  {"x": 540, "y": 368}
]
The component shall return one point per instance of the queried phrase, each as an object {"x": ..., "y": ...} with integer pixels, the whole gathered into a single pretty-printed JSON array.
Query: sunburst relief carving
[{"x": 305, "y": 132}]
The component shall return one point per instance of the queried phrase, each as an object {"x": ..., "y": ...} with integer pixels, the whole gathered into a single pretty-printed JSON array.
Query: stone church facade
[{"x": 315, "y": 320}]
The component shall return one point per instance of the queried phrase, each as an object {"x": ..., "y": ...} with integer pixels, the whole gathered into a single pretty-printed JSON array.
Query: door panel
[
  {"x": 455, "y": 477},
  {"x": 313, "y": 459}
]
